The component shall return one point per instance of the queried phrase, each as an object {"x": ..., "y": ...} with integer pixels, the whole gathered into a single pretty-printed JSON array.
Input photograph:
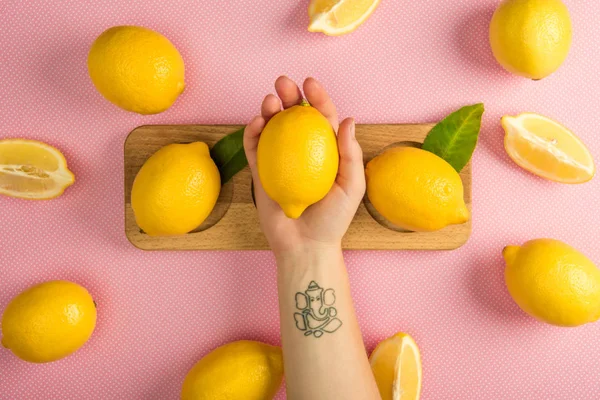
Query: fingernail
[{"x": 353, "y": 129}]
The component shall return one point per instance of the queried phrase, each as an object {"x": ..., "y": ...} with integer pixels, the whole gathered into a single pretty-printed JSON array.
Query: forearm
[{"x": 323, "y": 349}]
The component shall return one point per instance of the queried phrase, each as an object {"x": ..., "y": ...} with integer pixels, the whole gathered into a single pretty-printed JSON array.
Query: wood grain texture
[{"x": 234, "y": 225}]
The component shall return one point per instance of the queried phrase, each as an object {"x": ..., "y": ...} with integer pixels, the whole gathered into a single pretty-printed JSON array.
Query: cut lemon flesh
[
  {"x": 337, "y": 17},
  {"x": 396, "y": 365},
  {"x": 546, "y": 148},
  {"x": 32, "y": 170}
]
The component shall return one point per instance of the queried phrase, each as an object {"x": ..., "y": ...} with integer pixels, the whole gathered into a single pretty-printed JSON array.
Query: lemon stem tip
[{"x": 509, "y": 253}]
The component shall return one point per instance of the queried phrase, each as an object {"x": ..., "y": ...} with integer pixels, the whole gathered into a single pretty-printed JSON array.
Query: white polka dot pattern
[{"x": 413, "y": 61}]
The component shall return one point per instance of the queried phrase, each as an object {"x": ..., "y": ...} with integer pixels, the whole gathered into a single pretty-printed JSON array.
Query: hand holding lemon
[
  {"x": 295, "y": 165},
  {"x": 297, "y": 158}
]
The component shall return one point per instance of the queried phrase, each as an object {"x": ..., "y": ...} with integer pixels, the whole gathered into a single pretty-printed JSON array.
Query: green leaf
[
  {"x": 455, "y": 137},
  {"x": 228, "y": 154}
]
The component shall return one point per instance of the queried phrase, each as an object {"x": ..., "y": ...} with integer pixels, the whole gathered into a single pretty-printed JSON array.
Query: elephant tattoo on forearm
[{"x": 317, "y": 315}]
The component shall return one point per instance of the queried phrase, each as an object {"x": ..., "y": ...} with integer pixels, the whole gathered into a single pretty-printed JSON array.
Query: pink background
[{"x": 413, "y": 61}]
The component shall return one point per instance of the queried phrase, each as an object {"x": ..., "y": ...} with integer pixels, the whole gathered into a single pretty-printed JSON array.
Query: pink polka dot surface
[{"x": 159, "y": 313}]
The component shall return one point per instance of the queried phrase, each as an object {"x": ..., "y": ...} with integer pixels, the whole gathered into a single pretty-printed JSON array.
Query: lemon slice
[
  {"x": 396, "y": 365},
  {"x": 32, "y": 170},
  {"x": 338, "y": 17},
  {"x": 546, "y": 148}
]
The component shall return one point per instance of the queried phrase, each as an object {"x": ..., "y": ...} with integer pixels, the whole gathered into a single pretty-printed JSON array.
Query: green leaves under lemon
[
  {"x": 455, "y": 137},
  {"x": 228, "y": 154}
]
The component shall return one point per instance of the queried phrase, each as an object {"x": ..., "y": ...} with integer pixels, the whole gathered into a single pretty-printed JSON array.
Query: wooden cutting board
[{"x": 234, "y": 225}]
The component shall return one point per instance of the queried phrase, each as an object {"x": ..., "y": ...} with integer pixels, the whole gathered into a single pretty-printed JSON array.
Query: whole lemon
[
  {"x": 531, "y": 38},
  {"x": 553, "y": 282},
  {"x": 175, "y": 190},
  {"x": 415, "y": 189},
  {"x": 48, "y": 321},
  {"x": 137, "y": 69},
  {"x": 297, "y": 158},
  {"x": 243, "y": 370}
]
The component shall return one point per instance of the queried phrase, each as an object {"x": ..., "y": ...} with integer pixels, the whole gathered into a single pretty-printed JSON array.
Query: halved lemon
[
  {"x": 396, "y": 365},
  {"x": 32, "y": 170},
  {"x": 546, "y": 148},
  {"x": 338, "y": 17}
]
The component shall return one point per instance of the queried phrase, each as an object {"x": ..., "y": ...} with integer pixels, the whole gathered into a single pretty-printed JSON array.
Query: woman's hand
[
  {"x": 329, "y": 360},
  {"x": 323, "y": 224}
]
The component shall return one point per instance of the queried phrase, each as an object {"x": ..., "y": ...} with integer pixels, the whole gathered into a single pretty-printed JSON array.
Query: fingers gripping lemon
[{"x": 297, "y": 158}]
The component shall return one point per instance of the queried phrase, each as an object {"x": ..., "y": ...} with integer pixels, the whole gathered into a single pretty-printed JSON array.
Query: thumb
[
  {"x": 351, "y": 173},
  {"x": 251, "y": 137}
]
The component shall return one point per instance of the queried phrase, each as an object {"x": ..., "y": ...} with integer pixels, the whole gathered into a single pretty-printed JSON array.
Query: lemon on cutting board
[
  {"x": 32, "y": 170},
  {"x": 553, "y": 282},
  {"x": 137, "y": 69},
  {"x": 175, "y": 190},
  {"x": 396, "y": 365},
  {"x": 338, "y": 17},
  {"x": 416, "y": 189},
  {"x": 243, "y": 370},
  {"x": 48, "y": 321},
  {"x": 531, "y": 38},
  {"x": 546, "y": 148},
  {"x": 297, "y": 158}
]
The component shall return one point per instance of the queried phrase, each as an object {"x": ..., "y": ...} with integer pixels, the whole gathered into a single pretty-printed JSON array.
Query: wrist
[{"x": 308, "y": 255}]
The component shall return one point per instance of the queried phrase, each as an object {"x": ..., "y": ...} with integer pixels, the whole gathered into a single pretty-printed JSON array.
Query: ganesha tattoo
[{"x": 316, "y": 316}]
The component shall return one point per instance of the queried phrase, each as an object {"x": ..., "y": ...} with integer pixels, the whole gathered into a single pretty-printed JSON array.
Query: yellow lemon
[
  {"x": 243, "y": 370},
  {"x": 338, "y": 17},
  {"x": 546, "y": 148},
  {"x": 415, "y": 189},
  {"x": 396, "y": 365},
  {"x": 48, "y": 321},
  {"x": 531, "y": 38},
  {"x": 32, "y": 170},
  {"x": 297, "y": 158},
  {"x": 137, "y": 69},
  {"x": 175, "y": 190},
  {"x": 553, "y": 282}
]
